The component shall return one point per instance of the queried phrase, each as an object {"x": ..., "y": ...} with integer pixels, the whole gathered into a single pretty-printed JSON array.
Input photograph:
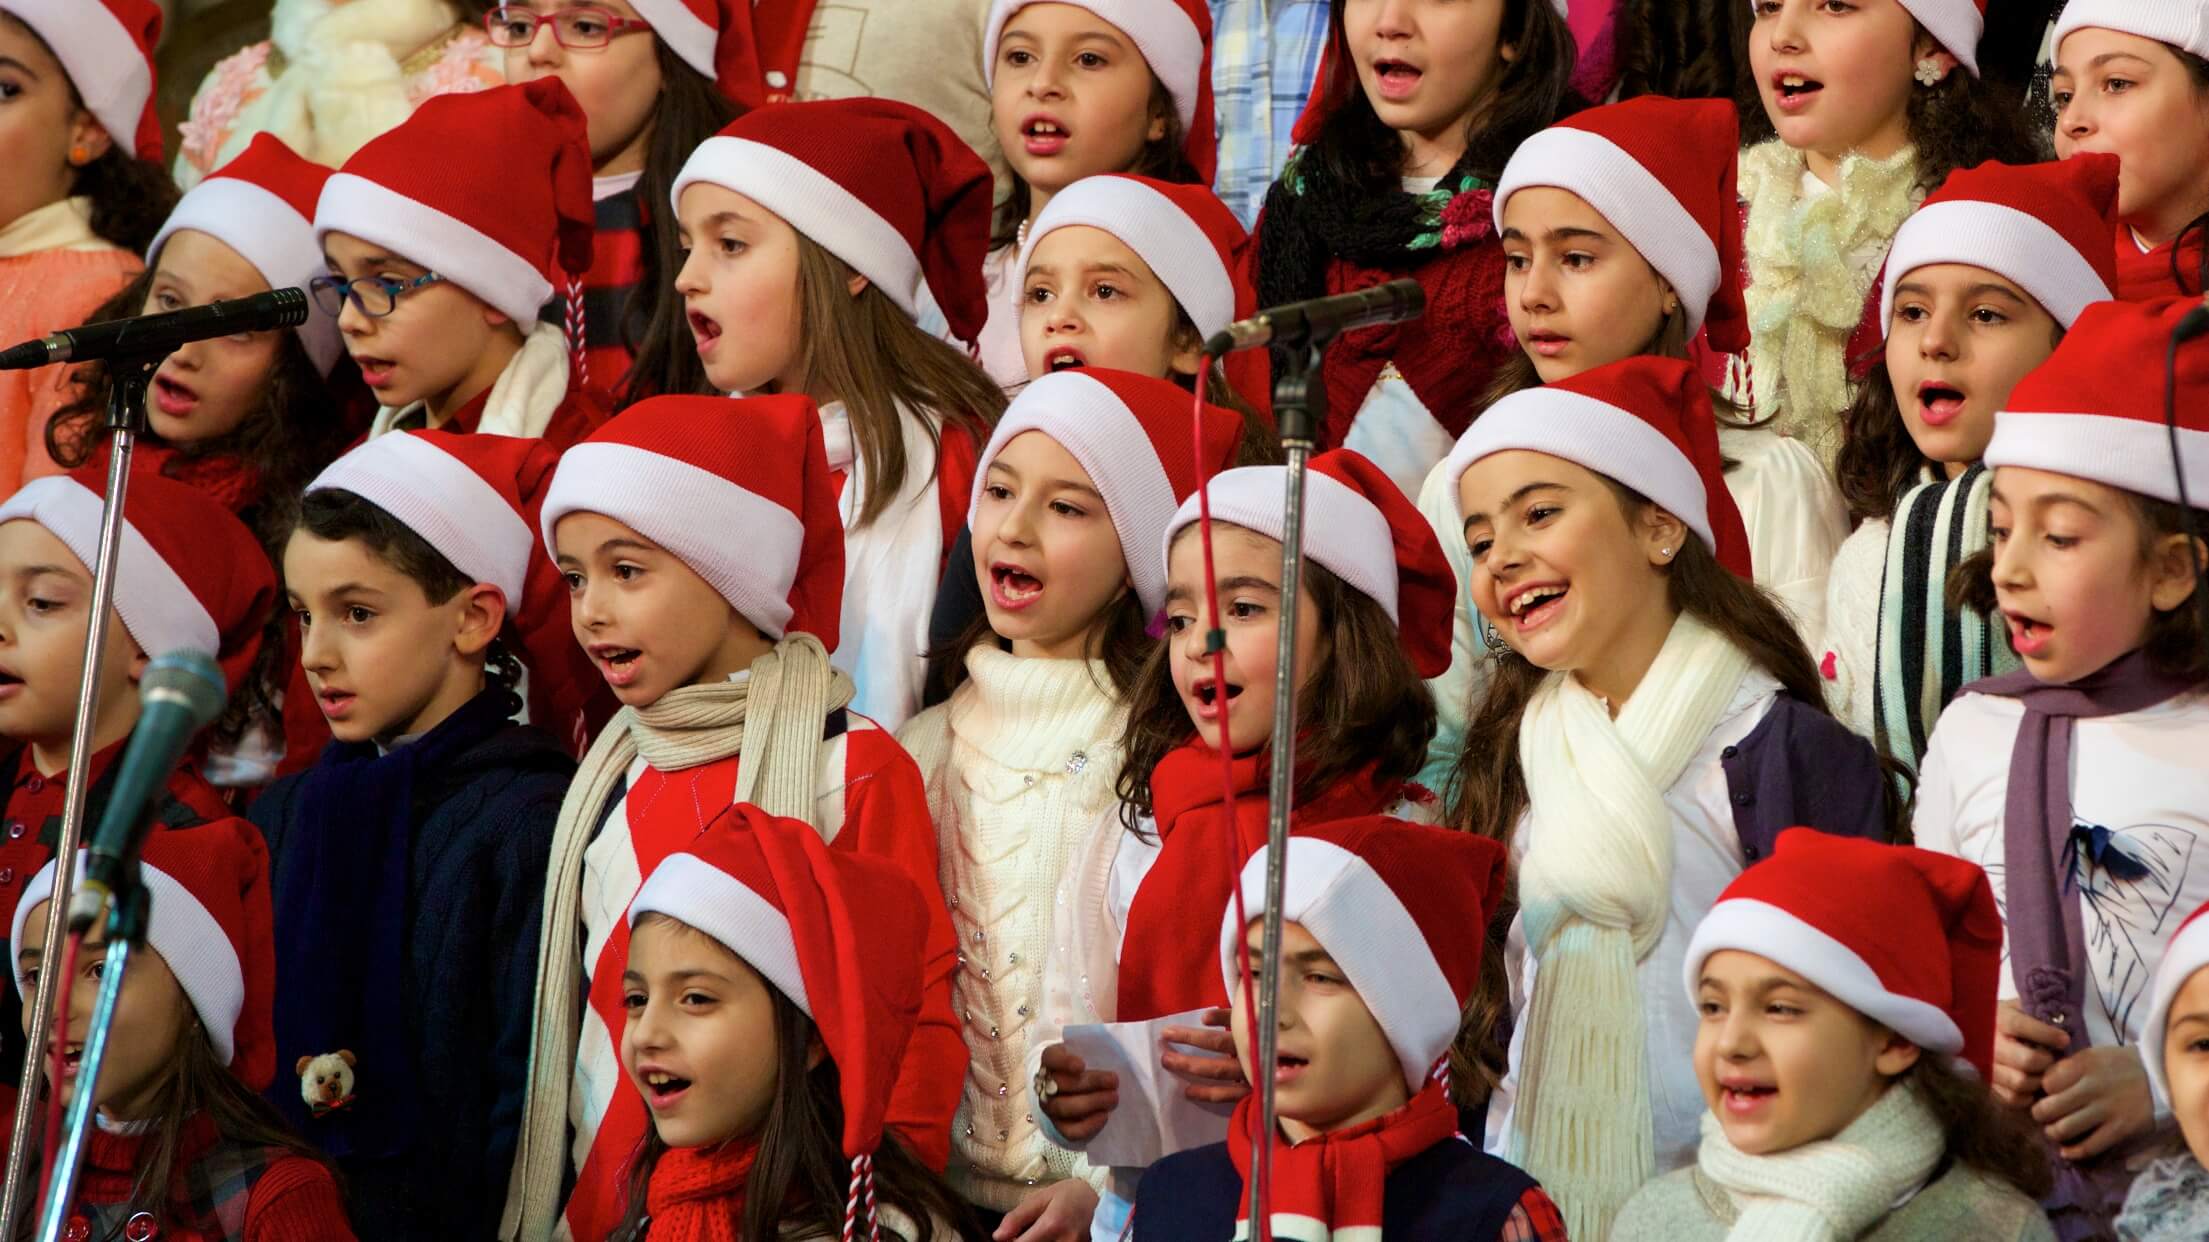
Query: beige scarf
[
  {"x": 62, "y": 225},
  {"x": 1594, "y": 889},
  {"x": 772, "y": 721},
  {"x": 1834, "y": 1190}
]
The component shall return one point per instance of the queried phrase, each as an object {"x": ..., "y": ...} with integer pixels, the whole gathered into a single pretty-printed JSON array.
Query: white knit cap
[
  {"x": 1160, "y": 231},
  {"x": 1956, "y": 25},
  {"x": 2187, "y": 953},
  {"x": 2180, "y": 23},
  {"x": 159, "y": 609},
  {"x": 417, "y": 479},
  {"x": 1162, "y": 30}
]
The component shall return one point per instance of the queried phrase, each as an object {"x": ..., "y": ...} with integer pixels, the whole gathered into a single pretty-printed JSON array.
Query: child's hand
[
  {"x": 1216, "y": 1079},
  {"x": 1082, "y": 1101},
  {"x": 2096, "y": 1099},
  {"x": 2024, "y": 1048},
  {"x": 1058, "y": 1212}
]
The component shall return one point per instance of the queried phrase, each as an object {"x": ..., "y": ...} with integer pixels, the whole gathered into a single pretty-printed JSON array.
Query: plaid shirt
[
  {"x": 1265, "y": 56},
  {"x": 1535, "y": 1219}
]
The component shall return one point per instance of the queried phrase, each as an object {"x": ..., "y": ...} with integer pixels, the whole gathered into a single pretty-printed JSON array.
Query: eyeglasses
[
  {"x": 373, "y": 296},
  {"x": 582, "y": 28}
]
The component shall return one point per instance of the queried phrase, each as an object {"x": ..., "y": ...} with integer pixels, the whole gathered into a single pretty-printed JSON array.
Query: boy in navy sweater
[
  {"x": 408, "y": 864},
  {"x": 1382, "y": 936}
]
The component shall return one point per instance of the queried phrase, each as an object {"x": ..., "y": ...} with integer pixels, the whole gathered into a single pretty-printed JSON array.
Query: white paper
[{"x": 1155, "y": 1118}]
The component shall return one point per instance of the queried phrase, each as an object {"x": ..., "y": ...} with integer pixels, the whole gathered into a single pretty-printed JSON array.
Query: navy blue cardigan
[{"x": 1451, "y": 1192}]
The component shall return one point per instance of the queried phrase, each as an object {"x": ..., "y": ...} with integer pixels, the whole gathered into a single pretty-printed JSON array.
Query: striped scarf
[{"x": 1927, "y": 651}]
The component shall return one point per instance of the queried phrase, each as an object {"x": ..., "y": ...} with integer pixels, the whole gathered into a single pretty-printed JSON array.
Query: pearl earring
[{"x": 1931, "y": 71}]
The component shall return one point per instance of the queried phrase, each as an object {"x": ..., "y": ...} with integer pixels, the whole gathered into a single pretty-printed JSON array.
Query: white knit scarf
[
  {"x": 523, "y": 398},
  {"x": 1594, "y": 887},
  {"x": 1830, "y": 1191}
]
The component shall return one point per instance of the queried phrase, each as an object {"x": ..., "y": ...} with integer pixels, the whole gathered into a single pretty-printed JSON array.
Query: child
[
  {"x": 2133, "y": 80},
  {"x": 813, "y": 230},
  {"x": 1983, "y": 281},
  {"x": 1844, "y": 1052},
  {"x": 1376, "y": 967},
  {"x": 1078, "y": 89},
  {"x": 1416, "y": 110},
  {"x": 1621, "y": 236},
  {"x": 2081, "y": 774},
  {"x": 1656, "y": 725},
  {"x": 713, "y": 633},
  {"x": 191, "y": 577},
  {"x": 1077, "y": 485},
  {"x": 770, "y": 987},
  {"x": 2169, "y": 1196},
  {"x": 1874, "y": 104},
  {"x": 413, "y": 853},
  {"x": 182, "y": 1147},
  {"x": 650, "y": 101},
  {"x": 1372, "y": 622},
  {"x": 438, "y": 263},
  {"x": 84, "y": 191}
]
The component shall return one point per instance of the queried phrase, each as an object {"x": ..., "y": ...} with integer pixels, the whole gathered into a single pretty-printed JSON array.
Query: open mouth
[
  {"x": 1286, "y": 1067},
  {"x": 1741, "y": 1097},
  {"x": 1012, "y": 586},
  {"x": 1043, "y": 135},
  {"x": 1939, "y": 403},
  {"x": 334, "y": 701},
  {"x": 171, "y": 397},
  {"x": 703, "y": 329},
  {"x": 2028, "y": 636},
  {"x": 1064, "y": 358},
  {"x": 375, "y": 372},
  {"x": 1207, "y": 692},
  {"x": 9, "y": 679},
  {"x": 1535, "y": 605},
  {"x": 72, "y": 1057},
  {"x": 1794, "y": 89},
  {"x": 661, "y": 1089},
  {"x": 1397, "y": 77}
]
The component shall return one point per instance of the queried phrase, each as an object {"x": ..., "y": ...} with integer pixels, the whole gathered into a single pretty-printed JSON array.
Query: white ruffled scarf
[
  {"x": 1834, "y": 1190},
  {"x": 523, "y": 398},
  {"x": 1595, "y": 886}
]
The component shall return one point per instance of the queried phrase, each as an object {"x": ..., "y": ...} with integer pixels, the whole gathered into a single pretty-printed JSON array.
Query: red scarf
[
  {"x": 2146, "y": 275},
  {"x": 1170, "y": 953},
  {"x": 1337, "y": 1179},
  {"x": 697, "y": 1193}
]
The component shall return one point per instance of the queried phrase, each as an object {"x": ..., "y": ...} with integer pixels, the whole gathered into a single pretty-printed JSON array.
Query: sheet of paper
[{"x": 1155, "y": 1118}]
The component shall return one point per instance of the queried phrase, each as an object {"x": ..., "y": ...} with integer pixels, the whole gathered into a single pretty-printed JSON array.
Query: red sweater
[
  {"x": 2144, "y": 275},
  {"x": 220, "y": 1192}
]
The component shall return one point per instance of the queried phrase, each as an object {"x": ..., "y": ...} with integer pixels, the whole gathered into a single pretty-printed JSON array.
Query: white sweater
[{"x": 1019, "y": 764}]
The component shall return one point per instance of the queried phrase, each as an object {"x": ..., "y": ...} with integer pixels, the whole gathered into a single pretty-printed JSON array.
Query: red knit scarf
[
  {"x": 1170, "y": 955},
  {"x": 1337, "y": 1180},
  {"x": 2145, "y": 276},
  {"x": 697, "y": 1193}
]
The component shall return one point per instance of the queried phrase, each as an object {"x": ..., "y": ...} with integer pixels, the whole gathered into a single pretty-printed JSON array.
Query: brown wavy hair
[{"x": 1982, "y": 1135}]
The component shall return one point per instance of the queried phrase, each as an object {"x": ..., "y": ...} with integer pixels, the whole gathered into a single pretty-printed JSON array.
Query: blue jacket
[{"x": 1451, "y": 1192}]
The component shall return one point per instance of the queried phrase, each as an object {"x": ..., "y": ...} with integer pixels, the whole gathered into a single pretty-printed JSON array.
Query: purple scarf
[{"x": 2042, "y": 852}]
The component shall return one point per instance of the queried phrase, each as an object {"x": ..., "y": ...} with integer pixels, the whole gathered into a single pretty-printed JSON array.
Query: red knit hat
[
  {"x": 880, "y": 184},
  {"x": 748, "y": 50},
  {"x": 1131, "y": 434},
  {"x": 191, "y": 578},
  {"x": 1175, "y": 39},
  {"x": 492, "y": 189},
  {"x": 1954, "y": 24},
  {"x": 261, "y": 205},
  {"x": 1400, "y": 907},
  {"x": 1662, "y": 172},
  {"x": 1337, "y": 80},
  {"x": 2067, "y": 417},
  {"x": 1192, "y": 242},
  {"x": 837, "y": 933},
  {"x": 209, "y": 919},
  {"x": 1645, "y": 422},
  {"x": 2187, "y": 952},
  {"x": 2045, "y": 226},
  {"x": 1361, "y": 528},
  {"x": 106, "y": 47},
  {"x": 1922, "y": 960},
  {"x": 738, "y": 489}
]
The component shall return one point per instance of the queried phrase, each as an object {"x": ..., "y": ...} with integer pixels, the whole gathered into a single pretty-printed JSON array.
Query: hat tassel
[
  {"x": 862, "y": 1190},
  {"x": 577, "y": 329}
]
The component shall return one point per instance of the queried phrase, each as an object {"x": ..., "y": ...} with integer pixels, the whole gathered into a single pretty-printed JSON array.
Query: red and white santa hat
[
  {"x": 1645, "y": 422},
  {"x": 2187, "y": 953},
  {"x": 106, "y": 47},
  {"x": 1662, "y": 172},
  {"x": 209, "y": 918},
  {"x": 2180, "y": 23},
  {"x": 738, "y": 489},
  {"x": 1922, "y": 961},
  {"x": 2067, "y": 417},
  {"x": 749, "y": 51},
  {"x": 1131, "y": 435},
  {"x": 882, "y": 185},
  {"x": 2045, "y": 226},
  {"x": 262, "y": 205},
  {"x": 490, "y": 189},
  {"x": 1400, "y": 907},
  {"x": 1175, "y": 39},
  {"x": 1359, "y": 526},
  {"x": 191, "y": 577},
  {"x": 1954, "y": 24},
  {"x": 837, "y": 933}
]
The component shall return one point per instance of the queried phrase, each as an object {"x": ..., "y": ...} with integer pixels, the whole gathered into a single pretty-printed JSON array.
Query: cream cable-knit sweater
[{"x": 1020, "y": 765}]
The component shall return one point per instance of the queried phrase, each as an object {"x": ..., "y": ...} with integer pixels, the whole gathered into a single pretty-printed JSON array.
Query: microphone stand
[
  {"x": 1299, "y": 406},
  {"x": 125, "y": 422},
  {"x": 126, "y": 933}
]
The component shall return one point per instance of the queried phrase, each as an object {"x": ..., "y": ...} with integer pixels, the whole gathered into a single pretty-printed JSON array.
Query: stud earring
[
  {"x": 1931, "y": 71},
  {"x": 79, "y": 155},
  {"x": 1671, "y": 307},
  {"x": 1666, "y": 553}
]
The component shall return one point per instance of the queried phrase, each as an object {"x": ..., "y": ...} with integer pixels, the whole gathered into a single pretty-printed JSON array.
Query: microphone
[
  {"x": 182, "y": 693},
  {"x": 1321, "y": 319},
  {"x": 158, "y": 336}
]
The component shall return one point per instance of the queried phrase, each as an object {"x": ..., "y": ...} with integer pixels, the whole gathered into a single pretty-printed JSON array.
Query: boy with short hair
[
  {"x": 704, "y": 559},
  {"x": 444, "y": 238},
  {"x": 407, "y": 864},
  {"x": 1381, "y": 948},
  {"x": 191, "y": 577}
]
